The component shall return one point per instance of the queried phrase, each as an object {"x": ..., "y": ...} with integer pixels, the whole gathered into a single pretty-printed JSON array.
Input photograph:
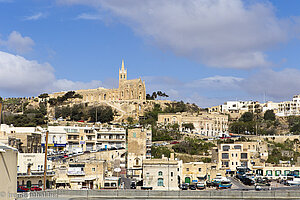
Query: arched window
[
  {"x": 18, "y": 183},
  {"x": 23, "y": 183},
  {"x": 160, "y": 173},
  {"x": 160, "y": 182},
  {"x": 104, "y": 97},
  {"x": 28, "y": 184},
  {"x": 137, "y": 161},
  {"x": 40, "y": 183}
]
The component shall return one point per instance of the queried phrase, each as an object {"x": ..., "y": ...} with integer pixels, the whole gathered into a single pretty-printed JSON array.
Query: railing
[
  {"x": 37, "y": 173},
  {"x": 75, "y": 173},
  {"x": 165, "y": 194}
]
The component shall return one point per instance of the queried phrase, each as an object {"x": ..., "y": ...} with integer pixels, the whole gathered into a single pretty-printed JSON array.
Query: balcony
[
  {"x": 36, "y": 173},
  {"x": 111, "y": 140},
  {"x": 75, "y": 173}
]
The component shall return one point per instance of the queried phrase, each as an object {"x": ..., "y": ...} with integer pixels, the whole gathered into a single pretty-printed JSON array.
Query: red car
[
  {"x": 34, "y": 188},
  {"x": 22, "y": 189},
  {"x": 174, "y": 142}
]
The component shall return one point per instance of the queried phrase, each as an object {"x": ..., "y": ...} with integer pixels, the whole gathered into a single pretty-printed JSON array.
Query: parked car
[
  {"x": 34, "y": 188},
  {"x": 192, "y": 187},
  {"x": 133, "y": 185},
  {"x": 22, "y": 189},
  {"x": 183, "y": 187},
  {"x": 200, "y": 186},
  {"x": 174, "y": 142}
]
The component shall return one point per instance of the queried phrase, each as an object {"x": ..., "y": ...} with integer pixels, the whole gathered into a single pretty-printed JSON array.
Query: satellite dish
[{"x": 117, "y": 170}]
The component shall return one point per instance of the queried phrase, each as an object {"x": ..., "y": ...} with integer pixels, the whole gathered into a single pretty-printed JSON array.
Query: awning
[
  {"x": 77, "y": 180},
  {"x": 90, "y": 178},
  {"x": 62, "y": 180}
]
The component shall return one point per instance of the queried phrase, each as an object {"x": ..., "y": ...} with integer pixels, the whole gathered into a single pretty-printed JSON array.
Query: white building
[
  {"x": 288, "y": 108},
  {"x": 57, "y": 138}
]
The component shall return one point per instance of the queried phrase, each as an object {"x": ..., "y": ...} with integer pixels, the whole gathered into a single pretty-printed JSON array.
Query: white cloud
[
  {"x": 278, "y": 85},
  {"x": 22, "y": 77},
  {"x": 219, "y": 33},
  {"x": 216, "y": 83},
  {"x": 17, "y": 43},
  {"x": 35, "y": 16},
  {"x": 89, "y": 16}
]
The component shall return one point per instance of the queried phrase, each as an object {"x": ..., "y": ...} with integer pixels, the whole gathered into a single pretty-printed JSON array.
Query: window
[
  {"x": 160, "y": 173},
  {"x": 160, "y": 182},
  {"x": 226, "y": 148},
  {"x": 225, "y": 156},
  {"x": 93, "y": 169},
  {"x": 244, "y": 155},
  {"x": 286, "y": 172},
  {"x": 226, "y": 164},
  {"x": 172, "y": 174},
  {"x": 237, "y": 147},
  {"x": 134, "y": 135},
  {"x": 199, "y": 169},
  {"x": 187, "y": 169},
  {"x": 232, "y": 163},
  {"x": 277, "y": 172},
  {"x": 269, "y": 173}
]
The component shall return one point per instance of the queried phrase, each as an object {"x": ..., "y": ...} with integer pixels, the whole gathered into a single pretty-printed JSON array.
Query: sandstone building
[{"x": 133, "y": 89}]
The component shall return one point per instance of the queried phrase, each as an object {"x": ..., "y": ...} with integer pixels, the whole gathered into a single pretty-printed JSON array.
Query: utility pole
[{"x": 45, "y": 164}]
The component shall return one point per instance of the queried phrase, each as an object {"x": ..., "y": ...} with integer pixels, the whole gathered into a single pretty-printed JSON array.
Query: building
[
  {"x": 8, "y": 168},
  {"x": 57, "y": 138},
  {"x": 208, "y": 124},
  {"x": 275, "y": 171},
  {"x": 270, "y": 106},
  {"x": 288, "y": 108},
  {"x": 25, "y": 139},
  {"x": 31, "y": 170},
  {"x": 128, "y": 90},
  {"x": 194, "y": 172},
  {"x": 77, "y": 139},
  {"x": 90, "y": 170},
  {"x": 139, "y": 149},
  {"x": 162, "y": 174},
  {"x": 230, "y": 156}
]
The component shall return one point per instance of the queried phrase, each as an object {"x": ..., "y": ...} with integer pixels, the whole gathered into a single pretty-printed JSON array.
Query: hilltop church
[{"x": 128, "y": 90}]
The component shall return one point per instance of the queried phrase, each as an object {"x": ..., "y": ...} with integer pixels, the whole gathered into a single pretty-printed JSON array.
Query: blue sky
[{"x": 200, "y": 51}]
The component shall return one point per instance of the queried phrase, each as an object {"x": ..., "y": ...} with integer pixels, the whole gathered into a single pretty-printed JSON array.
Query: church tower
[{"x": 122, "y": 74}]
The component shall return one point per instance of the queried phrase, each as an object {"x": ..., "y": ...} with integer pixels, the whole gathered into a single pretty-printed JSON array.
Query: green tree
[
  {"x": 157, "y": 152},
  {"x": 269, "y": 115},
  {"x": 130, "y": 120},
  {"x": 246, "y": 117},
  {"x": 104, "y": 114}
]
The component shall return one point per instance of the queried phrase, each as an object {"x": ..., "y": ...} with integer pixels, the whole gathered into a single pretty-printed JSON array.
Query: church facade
[{"x": 131, "y": 90}]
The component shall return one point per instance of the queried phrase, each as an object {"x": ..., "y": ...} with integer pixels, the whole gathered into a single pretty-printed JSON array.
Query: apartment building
[
  {"x": 194, "y": 172},
  {"x": 208, "y": 124},
  {"x": 162, "y": 174},
  {"x": 288, "y": 108},
  {"x": 30, "y": 170},
  {"x": 229, "y": 156},
  {"x": 72, "y": 138},
  {"x": 25, "y": 139},
  {"x": 139, "y": 149},
  {"x": 90, "y": 170}
]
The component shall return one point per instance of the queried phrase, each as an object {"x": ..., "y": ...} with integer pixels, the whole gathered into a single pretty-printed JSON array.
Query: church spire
[
  {"x": 122, "y": 69},
  {"x": 122, "y": 73}
]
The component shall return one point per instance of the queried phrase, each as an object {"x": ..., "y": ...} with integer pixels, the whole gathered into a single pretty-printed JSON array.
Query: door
[{"x": 187, "y": 180}]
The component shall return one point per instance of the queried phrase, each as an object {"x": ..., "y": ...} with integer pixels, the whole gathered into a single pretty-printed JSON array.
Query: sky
[{"x": 199, "y": 51}]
